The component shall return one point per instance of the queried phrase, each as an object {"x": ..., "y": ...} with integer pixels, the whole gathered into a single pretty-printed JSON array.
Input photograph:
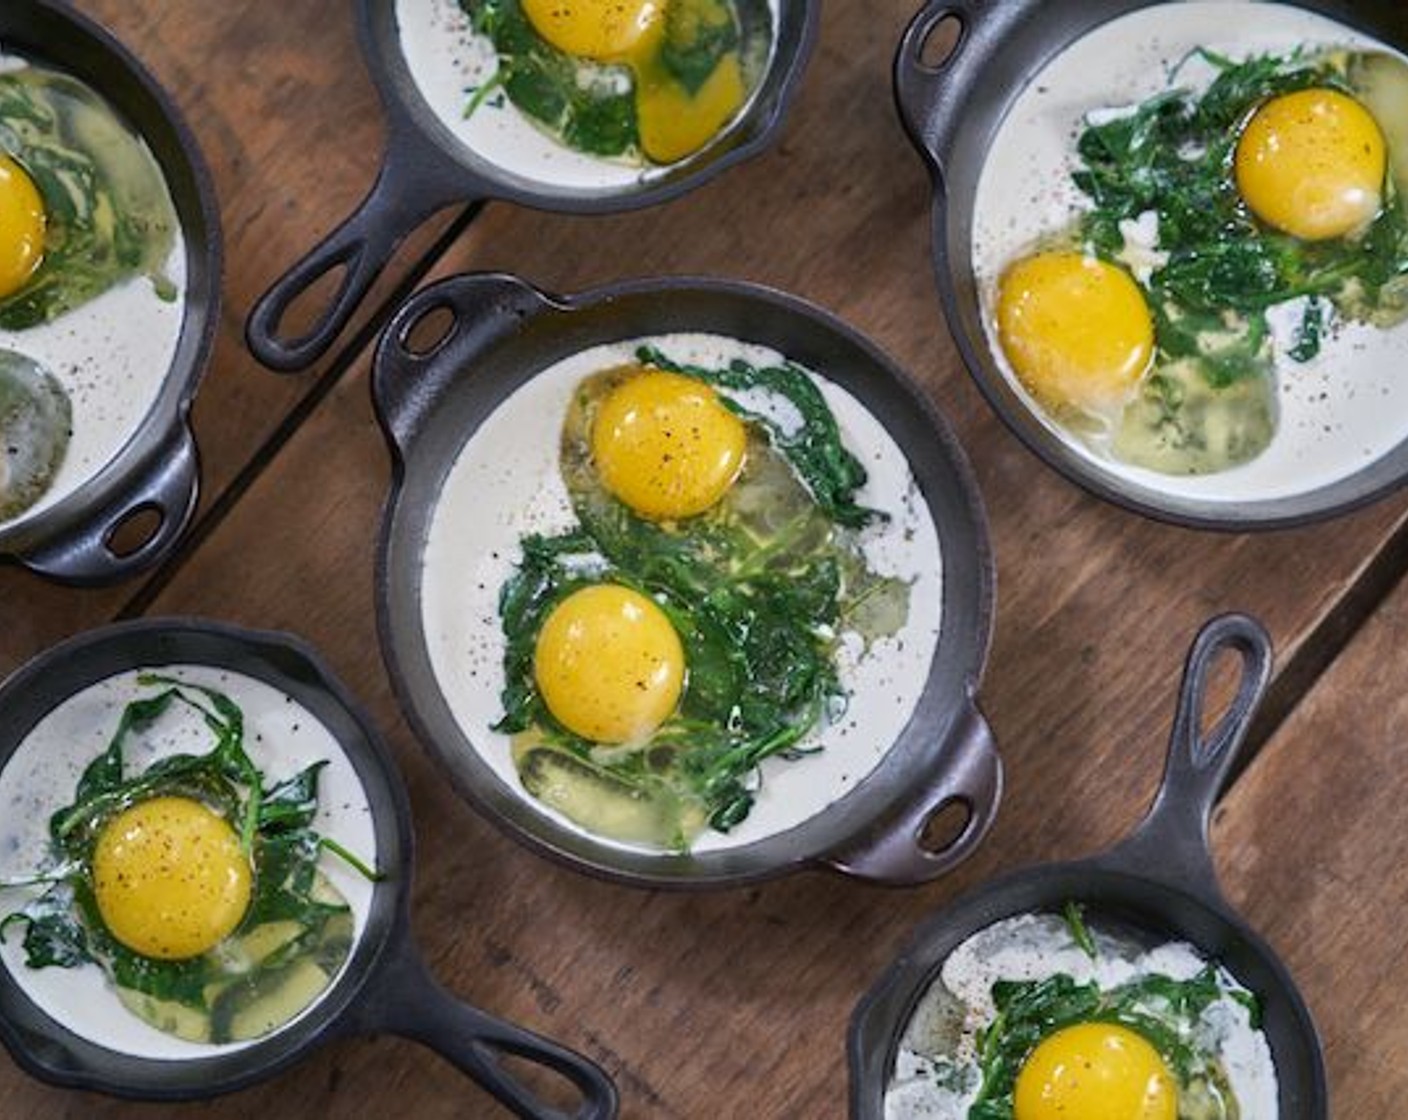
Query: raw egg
[
  {"x": 609, "y": 664},
  {"x": 1076, "y": 330},
  {"x": 666, "y": 446},
  {"x": 674, "y": 118},
  {"x": 1312, "y": 163},
  {"x": 1095, "y": 1071},
  {"x": 22, "y": 222},
  {"x": 170, "y": 877}
]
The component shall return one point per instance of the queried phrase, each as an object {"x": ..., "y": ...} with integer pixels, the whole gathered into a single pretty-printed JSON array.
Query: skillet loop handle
[
  {"x": 920, "y": 88},
  {"x": 167, "y": 487},
  {"x": 400, "y": 199},
  {"x": 409, "y": 375},
  {"x": 968, "y": 775},
  {"x": 1172, "y": 841},
  {"x": 417, "y": 1007}
]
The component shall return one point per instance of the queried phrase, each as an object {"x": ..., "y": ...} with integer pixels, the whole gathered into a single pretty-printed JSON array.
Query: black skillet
[
  {"x": 425, "y": 168},
  {"x": 384, "y": 986},
  {"x": 501, "y": 332},
  {"x": 1159, "y": 881},
  {"x": 953, "y": 110},
  {"x": 156, "y": 472}
]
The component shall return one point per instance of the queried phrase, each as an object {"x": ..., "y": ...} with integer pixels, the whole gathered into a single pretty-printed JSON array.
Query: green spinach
[
  {"x": 1173, "y": 155},
  {"x": 757, "y": 602}
]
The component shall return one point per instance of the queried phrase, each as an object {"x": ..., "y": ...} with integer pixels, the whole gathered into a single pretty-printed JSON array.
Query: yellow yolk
[
  {"x": 170, "y": 878},
  {"x": 601, "y": 30},
  {"x": 673, "y": 121},
  {"x": 22, "y": 221},
  {"x": 609, "y": 664},
  {"x": 665, "y": 445},
  {"x": 1076, "y": 330},
  {"x": 1095, "y": 1071},
  {"x": 1312, "y": 163}
]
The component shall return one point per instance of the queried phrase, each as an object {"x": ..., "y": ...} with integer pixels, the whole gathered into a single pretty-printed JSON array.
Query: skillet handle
[
  {"x": 483, "y": 308},
  {"x": 167, "y": 486},
  {"x": 921, "y": 92},
  {"x": 414, "y": 1005},
  {"x": 1171, "y": 843},
  {"x": 969, "y": 775},
  {"x": 412, "y": 185}
]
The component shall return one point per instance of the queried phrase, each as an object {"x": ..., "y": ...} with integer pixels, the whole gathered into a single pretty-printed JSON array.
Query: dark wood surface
[{"x": 735, "y": 1003}]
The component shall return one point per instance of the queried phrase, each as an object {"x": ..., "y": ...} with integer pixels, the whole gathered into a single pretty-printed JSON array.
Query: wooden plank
[
  {"x": 253, "y": 95},
  {"x": 736, "y": 1003},
  {"x": 1312, "y": 847}
]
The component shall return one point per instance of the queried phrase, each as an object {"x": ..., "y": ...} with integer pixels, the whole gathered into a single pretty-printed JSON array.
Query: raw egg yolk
[
  {"x": 601, "y": 30},
  {"x": 1095, "y": 1071},
  {"x": 665, "y": 445},
  {"x": 1076, "y": 330},
  {"x": 673, "y": 120},
  {"x": 1312, "y": 164},
  {"x": 609, "y": 664},
  {"x": 22, "y": 221},
  {"x": 170, "y": 878}
]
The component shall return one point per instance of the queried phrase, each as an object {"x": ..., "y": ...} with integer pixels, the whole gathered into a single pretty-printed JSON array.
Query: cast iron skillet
[
  {"x": 952, "y": 112},
  {"x": 502, "y": 332},
  {"x": 426, "y": 168},
  {"x": 157, "y": 471},
  {"x": 1160, "y": 881},
  {"x": 384, "y": 985}
]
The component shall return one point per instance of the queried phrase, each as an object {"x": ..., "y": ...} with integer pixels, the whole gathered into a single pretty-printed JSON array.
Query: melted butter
[{"x": 1181, "y": 425}]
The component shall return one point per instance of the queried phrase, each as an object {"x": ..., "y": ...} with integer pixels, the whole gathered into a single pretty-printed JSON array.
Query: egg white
[
  {"x": 111, "y": 356},
  {"x": 1340, "y": 411},
  {"x": 281, "y": 738},
  {"x": 506, "y": 482},
  {"x": 448, "y": 61},
  {"x": 1037, "y": 946}
]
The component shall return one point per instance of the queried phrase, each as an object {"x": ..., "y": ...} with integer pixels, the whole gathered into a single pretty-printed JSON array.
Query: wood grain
[
  {"x": 735, "y": 1003},
  {"x": 1312, "y": 846}
]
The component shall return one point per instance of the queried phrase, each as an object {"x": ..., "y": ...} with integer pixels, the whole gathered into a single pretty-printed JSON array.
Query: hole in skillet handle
[
  {"x": 930, "y": 47},
  {"x": 1206, "y": 745},
  {"x": 135, "y": 530},
  {"x": 299, "y": 319},
  {"x": 941, "y": 42},
  {"x": 934, "y": 38},
  {"x": 428, "y": 332},
  {"x": 946, "y": 825}
]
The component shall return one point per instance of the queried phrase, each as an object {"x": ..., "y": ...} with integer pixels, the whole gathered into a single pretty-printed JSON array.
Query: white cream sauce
[
  {"x": 506, "y": 483},
  {"x": 1339, "y": 412}
]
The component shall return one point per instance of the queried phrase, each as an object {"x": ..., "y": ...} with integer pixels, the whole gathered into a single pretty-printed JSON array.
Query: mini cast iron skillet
[
  {"x": 157, "y": 471},
  {"x": 502, "y": 332},
  {"x": 426, "y": 168},
  {"x": 1159, "y": 881},
  {"x": 384, "y": 986},
  {"x": 953, "y": 110}
]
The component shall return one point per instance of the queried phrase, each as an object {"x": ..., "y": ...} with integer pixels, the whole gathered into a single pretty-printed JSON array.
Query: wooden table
[{"x": 735, "y": 1003}]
